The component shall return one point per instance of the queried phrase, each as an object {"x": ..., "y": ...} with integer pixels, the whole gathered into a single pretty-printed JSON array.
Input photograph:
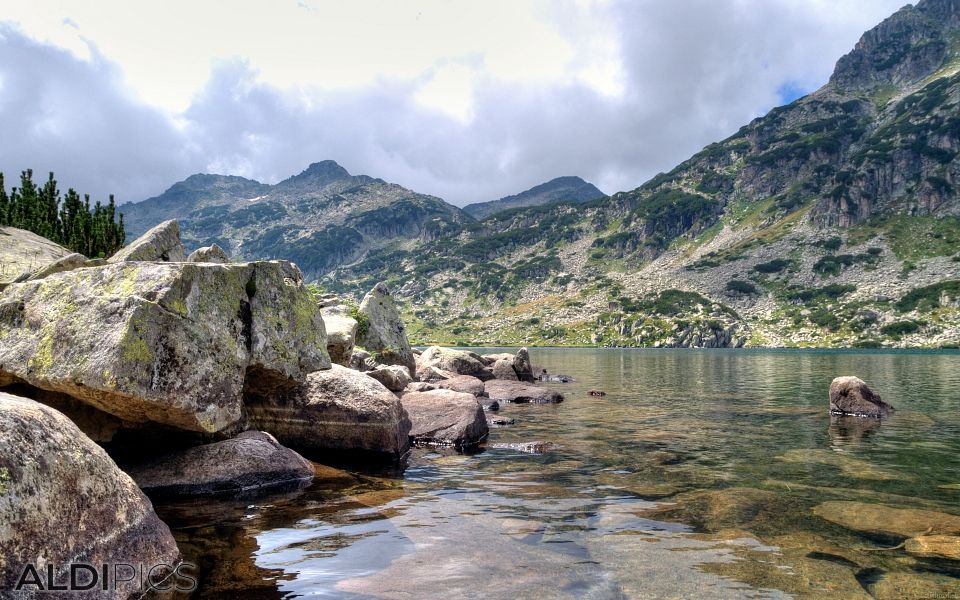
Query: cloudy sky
[{"x": 466, "y": 100}]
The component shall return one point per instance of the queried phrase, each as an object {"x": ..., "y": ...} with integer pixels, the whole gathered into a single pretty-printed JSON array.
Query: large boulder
[
  {"x": 209, "y": 254},
  {"x": 382, "y": 332},
  {"x": 467, "y": 384},
  {"x": 176, "y": 344},
  {"x": 447, "y": 360},
  {"x": 503, "y": 369},
  {"x": 502, "y": 364},
  {"x": 445, "y": 418},
  {"x": 515, "y": 391},
  {"x": 161, "y": 244},
  {"x": 23, "y": 253},
  {"x": 851, "y": 396},
  {"x": 336, "y": 411},
  {"x": 341, "y": 333},
  {"x": 393, "y": 377},
  {"x": 251, "y": 460},
  {"x": 63, "y": 500}
]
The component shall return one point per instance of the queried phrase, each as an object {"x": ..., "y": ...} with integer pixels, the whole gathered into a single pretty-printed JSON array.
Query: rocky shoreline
[{"x": 155, "y": 375}]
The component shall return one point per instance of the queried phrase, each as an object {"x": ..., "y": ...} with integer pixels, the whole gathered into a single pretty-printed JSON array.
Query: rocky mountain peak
[
  {"x": 319, "y": 173},
  {"x": 905, "y": 48}
]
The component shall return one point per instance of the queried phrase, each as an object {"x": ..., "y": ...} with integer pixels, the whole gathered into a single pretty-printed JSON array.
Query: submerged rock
[
  {"x": 175, "y": 344},
  {"x": 209, "y": 254},
  {"x": 385, "y": 335},
  {"x": 160, "y": 244},
  {"x": 251, "y": 460},
  {"x": 851, "y": 396},
  {"x": 897, "y": 585},
  {"x": 935, "y": 546},
  {"x": 63, "y": 500},
  {"x": 514, "y": 391},
  {"x": 500, "y": 421},
  {"x": 879, "y": 519},
  {"x": 395, "y": 378},
  {"x": 445, "y": 418},
  {"x": 335, "y": 411},
  {"x": 714, "y": 510}
]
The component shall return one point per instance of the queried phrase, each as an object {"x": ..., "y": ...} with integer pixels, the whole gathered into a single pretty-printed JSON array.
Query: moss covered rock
[
  {"x": 384, "y": 334},
  {"x": 176, "y": 344}
]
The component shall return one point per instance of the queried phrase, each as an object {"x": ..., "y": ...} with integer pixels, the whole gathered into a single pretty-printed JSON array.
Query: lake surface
[{"x": 696, "y": 476}]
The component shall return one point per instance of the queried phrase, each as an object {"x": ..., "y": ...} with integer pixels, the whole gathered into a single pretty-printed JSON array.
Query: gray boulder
[
  {"x": 175, "y": 344},
  {"x": 467, "y": 384},
  {"x": 503, "y": 369},
  {"x": 393, "y": 377},
  {"x": 23, "y": 253},
  {"x": 252, "y": 460},
  {"x": 445, "y": 418},
  {"x": 360, "y": 360},
  {"x": 209, "y": 254},
  {"x": 518, "y": 392},
  {"x": 63, "y": 500},
  {"x": 382, "y": 332},
  {"x": 160, "y": 244},
  {"x": 436, "y": 361},
  {"x": 334, "y": 411},
  {"x": 341, "y": 333},
  {"x": 851, "y": 396}
]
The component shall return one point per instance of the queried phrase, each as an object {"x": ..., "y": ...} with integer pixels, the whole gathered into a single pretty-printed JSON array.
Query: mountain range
[{"x": 831, "y": 221}]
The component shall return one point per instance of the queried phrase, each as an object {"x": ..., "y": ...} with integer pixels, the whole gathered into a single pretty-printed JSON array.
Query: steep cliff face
[{"x": 321, "y": 218}]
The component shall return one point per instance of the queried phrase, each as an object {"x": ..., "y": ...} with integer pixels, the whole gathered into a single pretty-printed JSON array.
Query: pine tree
[
  {"x": 66, "y": 220},
  {"x": 4, "y": 203}
]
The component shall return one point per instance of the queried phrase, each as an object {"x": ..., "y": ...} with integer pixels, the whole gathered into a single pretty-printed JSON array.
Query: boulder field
[{"x": 221, "y": 373}]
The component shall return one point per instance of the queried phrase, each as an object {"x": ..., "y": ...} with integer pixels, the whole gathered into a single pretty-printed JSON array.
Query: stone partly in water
[
  {"x": 879, "y": 519},
  {"x": 395, "y": 378},
  {"x": 252, "y": 460},
  {"x": 337, "y": 411},
  {"x": 63, "y": 500},
  {"x": 341, "y": 333},
  {"x": 175, "y": 344},
  {"x": 514, "y": 391},
  {"x": 209, "y": 254},
  {"x": 525, "y": 447},
  {"x": 161, "y": 244},
  {"x": 445, "y": 418},
  {"x": 851, "y": 396},
  {"x": 385, "y": 336},
  {"x": 451, "y": 362},
  {"x": 935, "y": 546}
]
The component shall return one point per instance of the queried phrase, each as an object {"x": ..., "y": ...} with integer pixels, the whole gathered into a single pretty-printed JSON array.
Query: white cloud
[{"x": 465, "y": 100}]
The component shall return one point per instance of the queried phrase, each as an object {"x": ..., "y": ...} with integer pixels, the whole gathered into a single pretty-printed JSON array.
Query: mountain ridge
[{"x": 567, "y": 188}]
